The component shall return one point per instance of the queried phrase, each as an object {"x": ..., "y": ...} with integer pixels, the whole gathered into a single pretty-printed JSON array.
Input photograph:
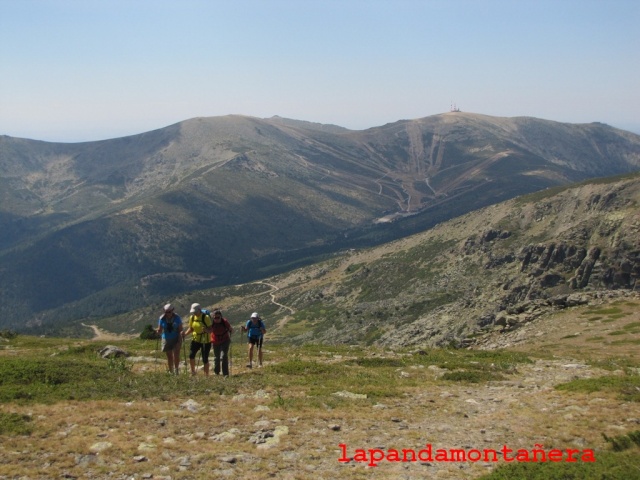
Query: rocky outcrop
[{"x": 579, "y": 268}]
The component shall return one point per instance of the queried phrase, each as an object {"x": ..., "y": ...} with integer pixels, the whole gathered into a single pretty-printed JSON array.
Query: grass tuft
[
  {"x": 623, "y": 442},
  {"x": 15, "y": 424},
  {"x": 626, "y": 386}
]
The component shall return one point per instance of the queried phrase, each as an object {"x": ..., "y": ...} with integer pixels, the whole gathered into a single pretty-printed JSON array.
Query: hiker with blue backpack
[
  {"x": 170, "y": 327},
  {"x": 255, "y": 334},
  {"x": 200, "y": 323}
]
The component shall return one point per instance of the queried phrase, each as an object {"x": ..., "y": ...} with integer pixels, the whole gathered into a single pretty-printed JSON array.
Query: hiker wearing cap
[
  {"x": 170, "y": 327},
  {"x": 200, "y": 329},
  {"x": 255, "y": 334},
  {"x": 221, "y": 331}
]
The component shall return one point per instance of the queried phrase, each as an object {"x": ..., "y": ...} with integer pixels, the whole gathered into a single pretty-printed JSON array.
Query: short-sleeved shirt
[
  {"x": 197, "y": 324},
  {"x": 254, "y": 329},
  {"x": 170, "y": 327}
]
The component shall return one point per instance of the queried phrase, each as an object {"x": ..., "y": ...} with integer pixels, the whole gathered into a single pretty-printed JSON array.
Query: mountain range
[{"x": 99, "y": 229}]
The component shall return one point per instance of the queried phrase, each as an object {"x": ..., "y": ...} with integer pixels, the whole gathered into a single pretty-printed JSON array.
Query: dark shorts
[
  {"x": 256, "y": 341},
  {"x": 171, "y": 344},
  {"x": 196, "y": 347}
]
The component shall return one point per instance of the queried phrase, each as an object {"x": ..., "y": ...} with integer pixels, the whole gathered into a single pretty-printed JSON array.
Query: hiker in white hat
[
  {"x": 200, "y": 327},
  {"x": 255, "y": 334},
  {"x": 170, "y": 327}
]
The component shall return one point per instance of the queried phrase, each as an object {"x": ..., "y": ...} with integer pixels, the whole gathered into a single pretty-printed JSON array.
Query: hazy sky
[{"x": 76, "y": 70}]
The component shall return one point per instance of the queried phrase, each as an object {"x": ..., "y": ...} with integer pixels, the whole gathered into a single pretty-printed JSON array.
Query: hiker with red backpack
[
  {"x": 200, "y": 327},
  {"x": 221, "y": 331}
]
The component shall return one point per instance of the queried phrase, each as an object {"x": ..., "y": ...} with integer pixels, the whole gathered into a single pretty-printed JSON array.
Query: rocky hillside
[
  {"x": 475, "y": 280},
  {"x": 100, "y": 228},
  {"x": 492, "y": 270}
]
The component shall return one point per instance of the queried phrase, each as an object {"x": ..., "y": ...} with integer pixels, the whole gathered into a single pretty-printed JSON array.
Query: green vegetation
[
  {"x": 314, "y": 382},
  {"x": 616, "y": 363},
  {"x": 608, "y": 465},
  {"x": 56, "y": 379},
  {"x": 480, "y": 360},
  {"x": 627, "y": 386},
  {"x": 61, "y": 372},
  {"x": 603, "y": 311},
  {"x": 15, "y": 424},
  {"x": 471, "y": 377},
  {"x": 148, "y": 333},
  {"x": 624, "y": 442},
  {"x": 58, "y": 373}
]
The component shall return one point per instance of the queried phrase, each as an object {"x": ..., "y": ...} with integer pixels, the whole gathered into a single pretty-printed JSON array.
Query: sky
[{"x": 82, "y": 70}]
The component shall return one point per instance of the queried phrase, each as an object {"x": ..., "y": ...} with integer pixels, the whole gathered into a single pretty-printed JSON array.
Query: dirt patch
[{"x": 103, "y": 335}]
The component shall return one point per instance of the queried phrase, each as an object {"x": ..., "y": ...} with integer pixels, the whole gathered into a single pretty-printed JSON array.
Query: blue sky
[{"x": 78, "y": 70}]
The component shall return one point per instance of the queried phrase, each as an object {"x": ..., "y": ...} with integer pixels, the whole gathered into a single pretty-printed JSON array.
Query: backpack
[
  {"x": 169, "y": 323},
  {"x": 201, "y": 319},
  {"x": 252, "y": 329},
  {"x": 223, "y": 324}
]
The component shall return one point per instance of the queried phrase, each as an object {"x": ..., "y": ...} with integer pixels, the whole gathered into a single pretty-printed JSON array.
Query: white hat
[
  {"x": 168, "y": 307},
  {"x": 195, "y": 307},
  {"x": 255, "y": 315}
]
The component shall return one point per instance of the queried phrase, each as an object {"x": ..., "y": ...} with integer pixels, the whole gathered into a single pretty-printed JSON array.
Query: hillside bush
[
  {"x": 627, "y": 386},
  {"x": 149, "y": 333},
  {"x": 8, "y": 334},
  {"x": 15, "y": 424}
]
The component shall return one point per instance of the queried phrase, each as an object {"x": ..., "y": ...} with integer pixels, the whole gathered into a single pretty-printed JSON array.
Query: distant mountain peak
[{"x": 221, "y": 200}]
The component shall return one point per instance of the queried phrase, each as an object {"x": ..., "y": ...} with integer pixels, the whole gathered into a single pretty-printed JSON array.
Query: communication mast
[{"x": 454, "y": 108}]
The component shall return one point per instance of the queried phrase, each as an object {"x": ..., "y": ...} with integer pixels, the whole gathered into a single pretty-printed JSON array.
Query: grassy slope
[{"x": 63, "y": 411}]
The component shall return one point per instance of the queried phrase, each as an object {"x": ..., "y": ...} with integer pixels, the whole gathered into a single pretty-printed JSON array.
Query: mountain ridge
[
  {"x": 275, "y": 193},
  {"x": 487, "y": 279}
]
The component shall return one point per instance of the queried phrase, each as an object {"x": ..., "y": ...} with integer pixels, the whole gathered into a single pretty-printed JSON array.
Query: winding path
[
  {"x": 273, "y": 296},
  {"x": 274, "y": 289}
]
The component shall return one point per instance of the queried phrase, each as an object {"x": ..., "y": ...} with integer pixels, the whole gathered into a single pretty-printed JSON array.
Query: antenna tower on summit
[{"x": 454, "y": 107}]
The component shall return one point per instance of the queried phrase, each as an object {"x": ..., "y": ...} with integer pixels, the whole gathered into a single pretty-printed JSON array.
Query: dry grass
[{"x": 171, "y": 429}]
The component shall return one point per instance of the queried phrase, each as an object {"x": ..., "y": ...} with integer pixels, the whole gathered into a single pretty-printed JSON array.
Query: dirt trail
[
  {"x": 282, "y": 322},
  {"x": 103, "y": 335}
]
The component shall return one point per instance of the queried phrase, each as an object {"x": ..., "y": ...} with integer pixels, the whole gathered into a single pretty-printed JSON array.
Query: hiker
[
  {"x": 256, "y": 330},
  {"x": 200, "y": 328},
  {"x": 221, "y": 331},
  {"x": 170, "y": 327}
]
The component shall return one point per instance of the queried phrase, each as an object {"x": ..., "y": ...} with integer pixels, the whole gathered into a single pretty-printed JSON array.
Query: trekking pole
[
  {"x": 200, "y": 351},
  {"x": 157, "y": 347},
  {"x": 230, "y": 353},
  {"x": 184, "y": 354}
]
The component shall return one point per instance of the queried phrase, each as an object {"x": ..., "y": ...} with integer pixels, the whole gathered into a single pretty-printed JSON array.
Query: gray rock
[{"x": 111, "y": 351}]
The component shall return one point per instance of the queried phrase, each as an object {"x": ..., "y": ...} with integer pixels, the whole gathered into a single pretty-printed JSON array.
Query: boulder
[{"x": 111, "y": 351}]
